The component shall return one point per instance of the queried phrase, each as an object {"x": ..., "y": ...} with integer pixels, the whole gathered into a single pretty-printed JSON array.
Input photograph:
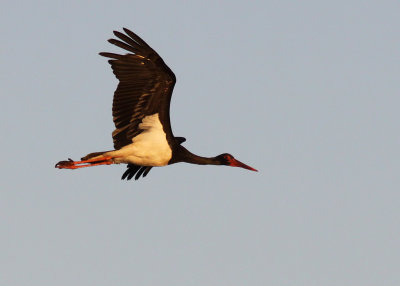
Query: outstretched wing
[{"x": 145, "y": 87}]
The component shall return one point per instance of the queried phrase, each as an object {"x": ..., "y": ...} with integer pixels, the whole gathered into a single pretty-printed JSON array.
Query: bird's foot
[{"x": 70, "y": 164}]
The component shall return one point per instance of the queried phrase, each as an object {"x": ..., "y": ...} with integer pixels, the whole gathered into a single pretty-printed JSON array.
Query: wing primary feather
[
  {"x": 125, "y": 174},
  {"x": 111, "y": 55},
  {"x": 140, "y": 172},
  {"x": 126, "y": 39},
  {"x": 133, "y": 170},
  {"x": 147, "y": 171},
  {"x": 137, "y": 38},
  {"x": 123, "y": 45},
  {"x": 130, "y": 172}
]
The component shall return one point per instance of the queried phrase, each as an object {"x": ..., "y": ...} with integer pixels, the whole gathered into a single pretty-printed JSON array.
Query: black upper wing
[{"x": 145, "y": 87}]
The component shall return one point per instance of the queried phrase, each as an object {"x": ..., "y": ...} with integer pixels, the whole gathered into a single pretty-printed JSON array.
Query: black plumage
[
  {"x": 145, "y": 87},
  {"x": 144, "y": 91}
]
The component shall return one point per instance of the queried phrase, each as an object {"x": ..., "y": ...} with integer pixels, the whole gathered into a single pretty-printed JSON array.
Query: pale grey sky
[{"x": 307, "y": 92}]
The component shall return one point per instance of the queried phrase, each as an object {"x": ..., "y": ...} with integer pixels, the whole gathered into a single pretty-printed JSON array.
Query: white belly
[{"x": 149, "y": 148}]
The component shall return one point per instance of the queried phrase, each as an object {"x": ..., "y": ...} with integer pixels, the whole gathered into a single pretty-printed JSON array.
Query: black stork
[{"x": 143, "y": 136}]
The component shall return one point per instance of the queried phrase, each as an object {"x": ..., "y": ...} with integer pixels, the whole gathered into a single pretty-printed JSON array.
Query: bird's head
[{"x": 229, "y": 160}]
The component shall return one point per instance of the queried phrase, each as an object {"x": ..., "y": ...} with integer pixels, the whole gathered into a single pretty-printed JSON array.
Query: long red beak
[{"x": 237, "y": 163}]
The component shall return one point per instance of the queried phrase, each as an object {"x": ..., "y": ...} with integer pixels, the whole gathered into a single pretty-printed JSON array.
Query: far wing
[{"x": 135, "y": 169}]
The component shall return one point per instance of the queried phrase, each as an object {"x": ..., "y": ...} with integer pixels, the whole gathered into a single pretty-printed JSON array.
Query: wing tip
[
  {"x": 126, "y": 30},
  {"x": 112, "y": 41},
  {"x": 111, "y": 55}
]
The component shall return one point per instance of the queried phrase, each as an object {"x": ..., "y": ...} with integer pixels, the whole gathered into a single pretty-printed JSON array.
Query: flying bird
[{"x": 143, "y": 137}]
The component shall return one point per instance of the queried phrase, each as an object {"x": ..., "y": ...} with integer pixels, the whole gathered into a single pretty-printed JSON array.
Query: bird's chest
[{"x": 149, "y": 148}]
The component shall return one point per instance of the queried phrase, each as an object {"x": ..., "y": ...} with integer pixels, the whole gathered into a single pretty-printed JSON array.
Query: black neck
[{"x": 184, "y": 155}]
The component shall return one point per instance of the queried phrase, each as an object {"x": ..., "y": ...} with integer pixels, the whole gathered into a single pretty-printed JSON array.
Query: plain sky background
[{"x": 307, "y": 92}]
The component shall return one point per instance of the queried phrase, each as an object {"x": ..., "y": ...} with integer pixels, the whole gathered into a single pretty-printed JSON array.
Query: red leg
[{"x": 82, "y": 164}]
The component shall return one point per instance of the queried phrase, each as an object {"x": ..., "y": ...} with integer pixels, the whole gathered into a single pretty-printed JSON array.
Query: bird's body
[
  {"x": 149, "y": 148},
  {"x": 143, "y": 136}
]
